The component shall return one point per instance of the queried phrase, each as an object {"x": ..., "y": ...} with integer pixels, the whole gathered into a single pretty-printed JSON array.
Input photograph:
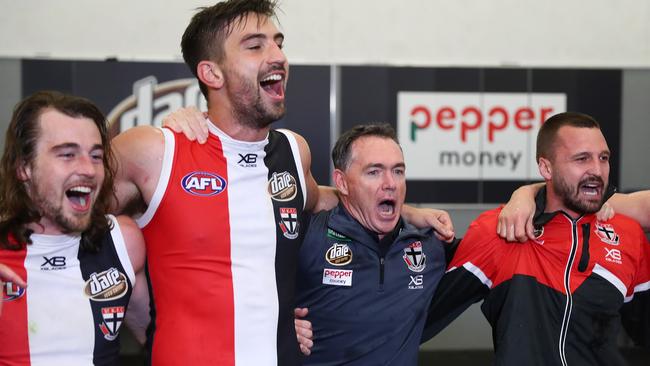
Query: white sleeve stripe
[
  {"x": 120, "y": 248},
  {"x": 163, "y": 180},
  {"x": 478, "y": 273},
  {"x": 611, "y": 278}
]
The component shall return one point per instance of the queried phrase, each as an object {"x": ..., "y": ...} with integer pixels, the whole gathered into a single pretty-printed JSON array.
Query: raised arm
[
  {"x": 636, "y": 205},
  {"x": 139, "y": 152},
  {"x": 516, "y": 218},
  {"x": 137, "y": 314}
]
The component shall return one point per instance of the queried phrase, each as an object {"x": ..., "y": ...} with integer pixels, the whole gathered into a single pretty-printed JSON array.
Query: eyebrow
[
  {"x": 248, "y": 37},
  {"x": 380, "y": 165},
  {"x": 72, "y": 145}
]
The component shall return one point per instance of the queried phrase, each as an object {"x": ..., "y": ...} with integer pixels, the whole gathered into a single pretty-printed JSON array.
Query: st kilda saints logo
[
  {"x": 289, "y": 222},
  {"x": 606, "y": 233},
  {"x": 112, "y": 318},
  {"x": 107, "y": 285},
  {"x": 282, "y": 187},
  {"x": 414, "y": 257}
]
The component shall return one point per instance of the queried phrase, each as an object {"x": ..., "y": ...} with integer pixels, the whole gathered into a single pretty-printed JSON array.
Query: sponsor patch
[
  {"x": 613, "y": 255},
  {"x": 247, "y": 160},
  {"x": 338, "y": 255},
  {"x": 53, "y": 263},
  {"x": 606, "y": 233},
  {"x": 203, "y": 184},
  {"x": 282, "y": 187},
  {"x": 416, "y": 282},
  {"x": 337, "y": 277},
  {"x": 105, "y": 286},
  {"x": 289, "y": 222},
  {"x": 11, "y": 292},
  {"x": 414, "y": 257},
  {"x": 332, "y": 234},
  {"x": 112, "y": 318}
]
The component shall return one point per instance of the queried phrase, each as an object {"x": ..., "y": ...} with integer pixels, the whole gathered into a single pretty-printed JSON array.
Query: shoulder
[
  {"x": 133, "y": 240},
  {"x": 487, "y": 220}
]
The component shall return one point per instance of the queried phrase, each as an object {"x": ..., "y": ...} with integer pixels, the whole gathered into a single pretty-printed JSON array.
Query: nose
[
  {"x": 86, "y": 166},
  {"x": 390, "y": 182},
  {"x": 277, "y": 56}
]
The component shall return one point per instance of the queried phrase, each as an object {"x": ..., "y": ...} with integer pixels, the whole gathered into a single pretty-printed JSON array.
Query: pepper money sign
[{"x": 473, "y": 136}]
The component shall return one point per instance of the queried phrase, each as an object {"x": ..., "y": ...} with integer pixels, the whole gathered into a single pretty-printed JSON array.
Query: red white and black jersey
[
  {"x": 223, "y": 233},
  {"x": 74, "y": 305},
  {"x": 554, "y": 300}
]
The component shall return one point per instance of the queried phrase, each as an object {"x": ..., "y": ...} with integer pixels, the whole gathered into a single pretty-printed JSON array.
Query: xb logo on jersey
[
  {"x": 203, "y": 184},
  {"x": 247, "y": 160}
]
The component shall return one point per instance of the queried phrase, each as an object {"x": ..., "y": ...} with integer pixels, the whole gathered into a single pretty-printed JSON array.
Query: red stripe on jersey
[
  {"x": 188, "y": 239},
  {"x": 14, "y": 344}
]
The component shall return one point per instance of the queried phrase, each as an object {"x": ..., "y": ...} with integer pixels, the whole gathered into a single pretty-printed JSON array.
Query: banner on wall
[
  {"x": 151, "y": 102},
  {"x": 473, "y": 136}
]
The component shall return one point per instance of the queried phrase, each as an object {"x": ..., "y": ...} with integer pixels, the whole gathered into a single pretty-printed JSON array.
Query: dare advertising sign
[{"x": 473, "y": 136}]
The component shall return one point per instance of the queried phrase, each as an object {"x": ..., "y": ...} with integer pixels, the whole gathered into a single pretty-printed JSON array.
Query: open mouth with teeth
[
  {"x": 387, "y": 207},
  {"x": 272, "y": 84},
  {"x": 591, "y": 189},
  {"x": 79, "y": 197}
]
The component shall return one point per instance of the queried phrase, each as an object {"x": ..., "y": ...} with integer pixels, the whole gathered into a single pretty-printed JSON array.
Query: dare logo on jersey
[
  {"x": 338, "y": 255},
  {"x": 203, "y": 184},
  {"x": 282, "y": 186},
  {"x": 105, "y": 286},
  {"x": 11, "y": 292}
]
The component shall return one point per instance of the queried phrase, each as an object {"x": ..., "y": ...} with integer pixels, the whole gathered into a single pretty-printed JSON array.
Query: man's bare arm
[
  {"x": 636, "y": 205},
  {"x": 516, "y": 217},
  {"x": 137, "y": 314}
]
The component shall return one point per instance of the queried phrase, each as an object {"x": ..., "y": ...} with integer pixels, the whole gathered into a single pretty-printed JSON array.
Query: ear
[
  {"x": 24, "y": 172},
  {"x": 210, "y": 74},
  {"x": 340, "y": 181},
  {"x": 545, "y": 168}
]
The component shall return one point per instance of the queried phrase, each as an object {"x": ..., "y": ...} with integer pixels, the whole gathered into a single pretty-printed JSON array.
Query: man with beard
[
  {"x": 81, "y": 265},
  {"x": 554, "y": 300},
  {"x": 223, "y": 219}
]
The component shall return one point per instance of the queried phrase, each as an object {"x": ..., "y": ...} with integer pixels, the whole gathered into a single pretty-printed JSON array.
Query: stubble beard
[
  {"x": 52, "y": 211},
  {"x": 248, "y": 106},
  {"x": 569, "y": 196}
]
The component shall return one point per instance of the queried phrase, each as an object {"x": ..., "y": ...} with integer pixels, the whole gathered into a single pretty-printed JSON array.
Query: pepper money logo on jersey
[
  {"x": 107, "y": 285},
  {"x": 282, "y": 187},
  {"x": 203, "y": 184}
]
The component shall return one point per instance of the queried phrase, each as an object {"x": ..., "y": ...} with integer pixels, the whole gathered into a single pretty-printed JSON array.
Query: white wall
[{"x": 555, "y": 33}]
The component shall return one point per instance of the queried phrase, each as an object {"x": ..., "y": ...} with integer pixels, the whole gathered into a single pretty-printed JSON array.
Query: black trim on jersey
[
  {"x": 278, "y": 159},
  {"x": 105, "y": 352}
]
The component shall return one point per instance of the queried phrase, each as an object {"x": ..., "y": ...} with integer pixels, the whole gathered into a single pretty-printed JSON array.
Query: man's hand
[
  {"x": 439, "y": 220},
  {"x": 516, "y": 217},
  {"x": 190, "y": 121},
  {"x": 7, "y": 275},
  {"x": 303, "y": 330},
  {"x": 606, "y": 212}
]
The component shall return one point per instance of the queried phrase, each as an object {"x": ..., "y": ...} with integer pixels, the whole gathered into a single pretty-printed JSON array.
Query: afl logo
[
  {"x": 11, "y": 292},
  {"x": 105, "y": 286},
  {"x": 203, "y": 184},
  {"x": 282, "y": 187}
]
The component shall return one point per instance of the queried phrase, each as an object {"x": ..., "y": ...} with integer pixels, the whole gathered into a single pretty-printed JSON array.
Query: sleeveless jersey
[
  {"x": 223, "y": 234},
  {"x": 72, "y": 309}
]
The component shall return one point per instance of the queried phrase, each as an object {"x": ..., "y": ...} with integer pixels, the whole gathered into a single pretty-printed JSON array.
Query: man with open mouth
[
  {"x": 81, "y": 265},
  {"x": 555, "y": 299},
  {"x": 365, "y": 273}
]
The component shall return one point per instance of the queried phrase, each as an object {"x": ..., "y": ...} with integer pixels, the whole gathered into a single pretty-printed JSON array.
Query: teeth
[
  {"x": 274, "y": 77},
  {"x": 81, "y": 189}
]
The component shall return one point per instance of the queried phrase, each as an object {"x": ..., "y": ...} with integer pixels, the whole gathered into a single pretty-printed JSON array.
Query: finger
[
  {"x": 510, "y": 236},
  {"x": 501, "y": 228},
  {"x": 530, "y": 229},
  {"x": 305, "y": 351},
  {"x": 300, "y": 312},
  {"x": 7, "y": 275}
]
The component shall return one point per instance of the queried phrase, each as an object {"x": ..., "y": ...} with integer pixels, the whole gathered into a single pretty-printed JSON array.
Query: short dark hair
[
  {"x": 341, "y": 150},
  {"x": 548, "y": 132},
  {"x": 17, "y": 209},
  {"x": 205, "y": 35}
]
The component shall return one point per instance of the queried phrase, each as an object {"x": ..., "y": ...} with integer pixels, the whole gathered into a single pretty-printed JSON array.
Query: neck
[
  {"x": 220, "y": 113},
  {"x": 555, "y": 203},
  {"x": 46, "y": 227}
]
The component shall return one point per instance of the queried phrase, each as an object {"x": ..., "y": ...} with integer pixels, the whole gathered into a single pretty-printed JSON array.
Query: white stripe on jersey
[
  {"x": 120, "y": 248},
  {"x": 161, "y": 185},
  {"x": 51, "y": 301},
  {"x": 296, "y": 157},
  {"x": 254, "y": 284}
]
